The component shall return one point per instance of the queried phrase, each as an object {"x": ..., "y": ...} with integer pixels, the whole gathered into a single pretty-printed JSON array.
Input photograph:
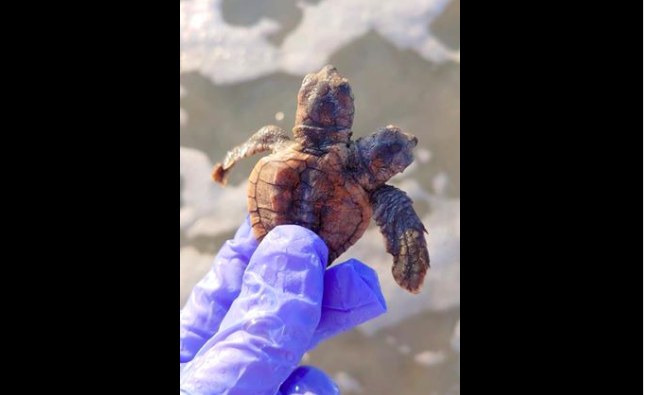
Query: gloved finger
[
  {"x": 309, "y": 380},
  {"x": 269, "y": 326},
  {"x": 352, "y": 297},
  {"x": 212, "y": 297}
]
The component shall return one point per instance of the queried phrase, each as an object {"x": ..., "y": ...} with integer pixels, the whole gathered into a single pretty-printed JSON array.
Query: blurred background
[{"x": 241, "y": 65}]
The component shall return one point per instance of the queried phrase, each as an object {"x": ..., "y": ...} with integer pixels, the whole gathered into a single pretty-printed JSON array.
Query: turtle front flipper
[
  {"x": 404, "y": 235},
  {"x": 269, "y": 138}
]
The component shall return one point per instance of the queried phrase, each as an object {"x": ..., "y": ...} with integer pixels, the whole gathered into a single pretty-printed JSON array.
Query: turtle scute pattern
[{"x": 316, "y": 192}]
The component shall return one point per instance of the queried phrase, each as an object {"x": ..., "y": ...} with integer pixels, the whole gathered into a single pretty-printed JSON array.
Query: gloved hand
[{"x": 249, "y": 322}]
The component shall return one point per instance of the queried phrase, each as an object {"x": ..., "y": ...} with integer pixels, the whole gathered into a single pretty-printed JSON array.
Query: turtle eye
[{"x": 395, "y": 148}]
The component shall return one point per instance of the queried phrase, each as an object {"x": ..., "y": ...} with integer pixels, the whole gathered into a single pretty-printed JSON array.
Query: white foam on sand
[
  {"x": 228, "y": 54},
  {"x": 430, "y": 358},
  {"x": 208, "y": 209},
  {"x": 222, "y": 52}
]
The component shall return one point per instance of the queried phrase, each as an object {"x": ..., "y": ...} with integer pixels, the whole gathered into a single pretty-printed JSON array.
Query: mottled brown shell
[{"x": 297, "y": 188}]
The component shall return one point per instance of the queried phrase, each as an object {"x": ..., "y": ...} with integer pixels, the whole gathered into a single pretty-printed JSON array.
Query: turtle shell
[{"x": 317, "y": 192}]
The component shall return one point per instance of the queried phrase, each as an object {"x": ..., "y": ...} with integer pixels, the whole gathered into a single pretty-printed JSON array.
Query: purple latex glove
[{"x": 250, "y": 321}]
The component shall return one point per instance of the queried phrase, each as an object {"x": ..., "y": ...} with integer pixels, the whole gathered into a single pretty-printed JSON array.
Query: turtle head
[
  {"x": 325, "y": 101},
  {"x": 387, "y": 153}
]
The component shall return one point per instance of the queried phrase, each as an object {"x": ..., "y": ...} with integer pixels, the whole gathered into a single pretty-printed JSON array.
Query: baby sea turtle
[{"x": 324, "y": 181}]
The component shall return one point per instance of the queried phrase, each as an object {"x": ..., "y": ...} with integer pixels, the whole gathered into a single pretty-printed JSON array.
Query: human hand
[{"x": 249, "y": 322}]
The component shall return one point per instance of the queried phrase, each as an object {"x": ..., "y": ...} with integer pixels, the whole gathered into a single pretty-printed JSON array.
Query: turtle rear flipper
[
  {"x": 404, "y": 236},
  {"x": 269, "y": 138}
]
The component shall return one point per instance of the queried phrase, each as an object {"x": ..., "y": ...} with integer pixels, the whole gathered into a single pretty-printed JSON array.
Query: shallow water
[{"x": 240, "y": 71}]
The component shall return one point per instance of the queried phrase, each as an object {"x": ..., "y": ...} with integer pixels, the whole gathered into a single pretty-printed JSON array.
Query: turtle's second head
[
  {"x": 387, "y": 153},
  {"x": 326, "y": 101}
]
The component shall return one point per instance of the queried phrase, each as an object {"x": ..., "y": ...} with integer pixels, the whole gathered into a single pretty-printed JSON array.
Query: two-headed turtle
[{"x": 324, "y": 181}]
